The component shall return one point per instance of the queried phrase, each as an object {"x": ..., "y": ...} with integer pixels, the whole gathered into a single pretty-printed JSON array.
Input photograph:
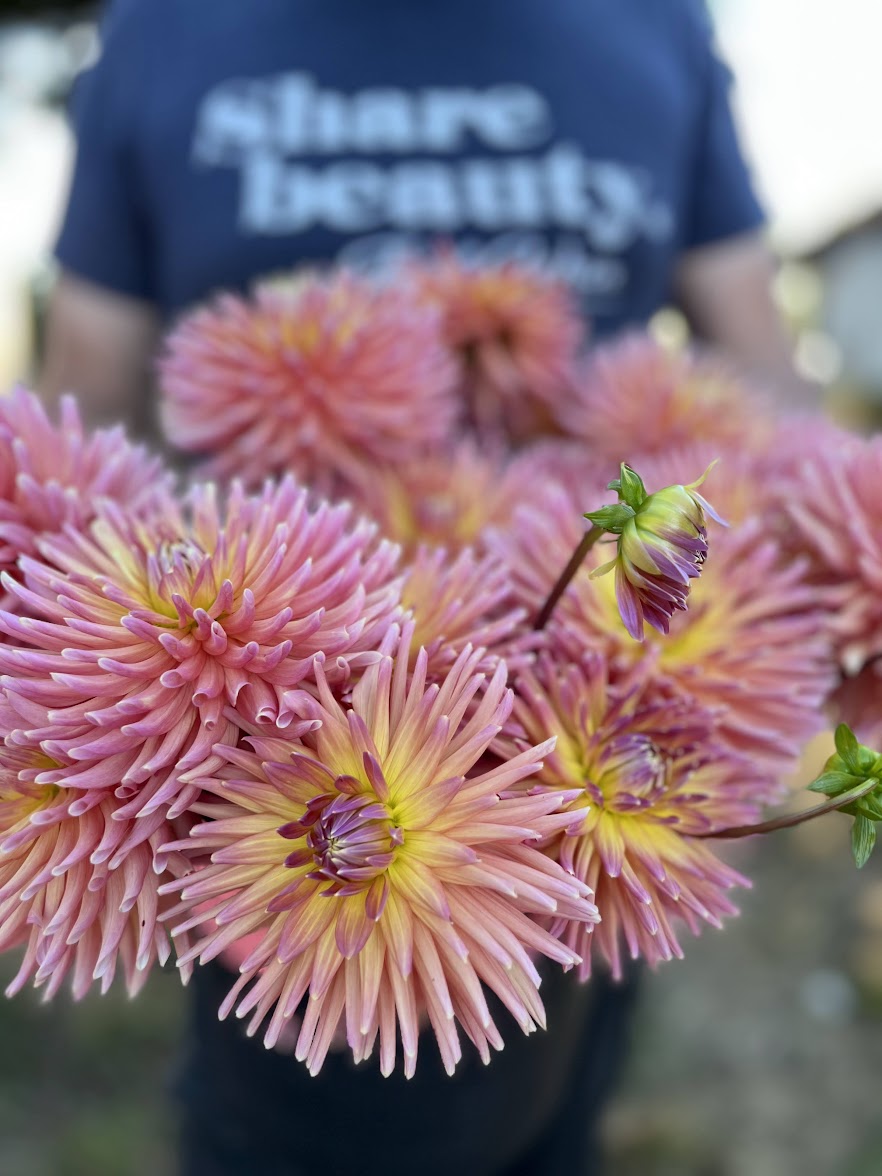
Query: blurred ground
[{"x": 759, "y": 1055}]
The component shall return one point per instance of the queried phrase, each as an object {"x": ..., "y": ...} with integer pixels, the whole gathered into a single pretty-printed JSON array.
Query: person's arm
[
  {"x": 100, "y": 346},
  {"x": 725, "y": 291},
  {"x": 723, "y": 279},
  {"x": 102, "y": 326}
]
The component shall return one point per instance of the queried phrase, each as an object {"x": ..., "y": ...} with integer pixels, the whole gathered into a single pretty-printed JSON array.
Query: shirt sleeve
[
  {"x": 105, "y": 234},
  {"x": 723, "y": 202}
]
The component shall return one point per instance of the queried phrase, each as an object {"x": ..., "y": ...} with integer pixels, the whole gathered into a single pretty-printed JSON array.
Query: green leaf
[
  {"x": 631, "y": 488},
  {"x": 834, "y": 783},
  {"x": 849, "y": 748},
  {"x": 870, "y": 806},
  {"x": 863, "y": 838},
  {"x": 611, "y": 518}
]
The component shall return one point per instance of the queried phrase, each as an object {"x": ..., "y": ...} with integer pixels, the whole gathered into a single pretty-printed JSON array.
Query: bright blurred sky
[{"x": 809, "y": 96}]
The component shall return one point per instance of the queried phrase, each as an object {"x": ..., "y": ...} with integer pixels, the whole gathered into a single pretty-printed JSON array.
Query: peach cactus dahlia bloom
[
  {"x": 446, "y": 499},
  {"x": 647, "y": 777},
  {"x": 635, "y": 398},
  {"x": 516, "y": 333},
  {"x": 393, "y": 876},
  {"x": 141, "y": 635},
  {"x": 837, "y": 524},
  {"x": 78, "y": 879},
  {"x": 323, "y": 379}
]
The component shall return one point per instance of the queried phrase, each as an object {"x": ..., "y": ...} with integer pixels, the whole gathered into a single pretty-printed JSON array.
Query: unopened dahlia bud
[{"x": 662, "y": 545}]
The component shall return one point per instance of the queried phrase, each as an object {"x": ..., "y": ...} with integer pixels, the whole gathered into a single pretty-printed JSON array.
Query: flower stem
[
  {"x": 575, "y": 561},
  {"x": 793, "y": 819}
]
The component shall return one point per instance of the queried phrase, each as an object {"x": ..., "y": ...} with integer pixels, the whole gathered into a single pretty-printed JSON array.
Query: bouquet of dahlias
[{"x": 422, "y": 683}]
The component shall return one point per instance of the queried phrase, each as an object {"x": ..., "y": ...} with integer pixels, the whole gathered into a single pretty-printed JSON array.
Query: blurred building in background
[
  {"x": 809, "y": 97},
  {"x": 849, "y": 268}
]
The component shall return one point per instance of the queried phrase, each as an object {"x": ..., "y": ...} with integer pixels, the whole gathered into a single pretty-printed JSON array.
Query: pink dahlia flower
[
  {"x": 460, "y": 602},
  {"x": 753, "y": 646},
  {"x": 446, "y": 499},
  {"x": 516, "y": 333},
  {"x": 560, "y": 461},
  {"x": 324, "y": 379},
  {"x": 635, "y": 398},
  {"x": 392, "y": 877},
  {"x": 55, "y": 475},
  {"x": 646, "y": 777},
  {"x": 838, "y": 524},
  {"x": 78, "y": 880},
  {"x": 147, "y": 634}
]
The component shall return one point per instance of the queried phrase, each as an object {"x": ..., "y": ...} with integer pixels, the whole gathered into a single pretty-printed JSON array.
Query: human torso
[{"x": 278, "y": 134}]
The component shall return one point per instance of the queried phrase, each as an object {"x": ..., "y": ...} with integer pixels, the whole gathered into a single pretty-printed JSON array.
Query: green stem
[
  {"x": 575, "y": 562},
  {"x": 793, "y": 819}
]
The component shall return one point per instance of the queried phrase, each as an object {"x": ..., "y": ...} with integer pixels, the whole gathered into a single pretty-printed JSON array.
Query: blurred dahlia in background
[
  {"x": 516, "y": 335},
  {"x": 324, "y": 378},
  {"x": 635, "y": 398}
]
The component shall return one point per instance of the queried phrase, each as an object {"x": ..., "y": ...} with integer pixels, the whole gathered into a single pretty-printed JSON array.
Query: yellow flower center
[
  {"x": 626, "y": 774},
  {"x": 20, "y": 798}
]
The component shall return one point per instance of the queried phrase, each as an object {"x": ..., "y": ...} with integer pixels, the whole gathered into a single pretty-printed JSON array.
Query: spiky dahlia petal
[
  {"x": 143, "y": 635},
  {"x": 326, "y": 378},
  {"x": 388, "y": 882}
]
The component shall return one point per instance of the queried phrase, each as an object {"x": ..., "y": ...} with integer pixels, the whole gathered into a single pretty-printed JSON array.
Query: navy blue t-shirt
[{"x": 223, "y": 140}]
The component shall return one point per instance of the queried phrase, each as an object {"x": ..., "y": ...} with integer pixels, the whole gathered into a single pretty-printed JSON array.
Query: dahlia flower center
[
  {"x": 19, "y": 797},
  {"x": 182, "y": 555},
  {"x": 630, "y": 774},
  {"x": 307, "y": 336},
  {"x": 435, "y": 513},
  {"x": 351, "y": 839},
  {"x": 694, "y": 637},
  {"x": 300, "y": 334},
  {"x": 179, "y": 569}
]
